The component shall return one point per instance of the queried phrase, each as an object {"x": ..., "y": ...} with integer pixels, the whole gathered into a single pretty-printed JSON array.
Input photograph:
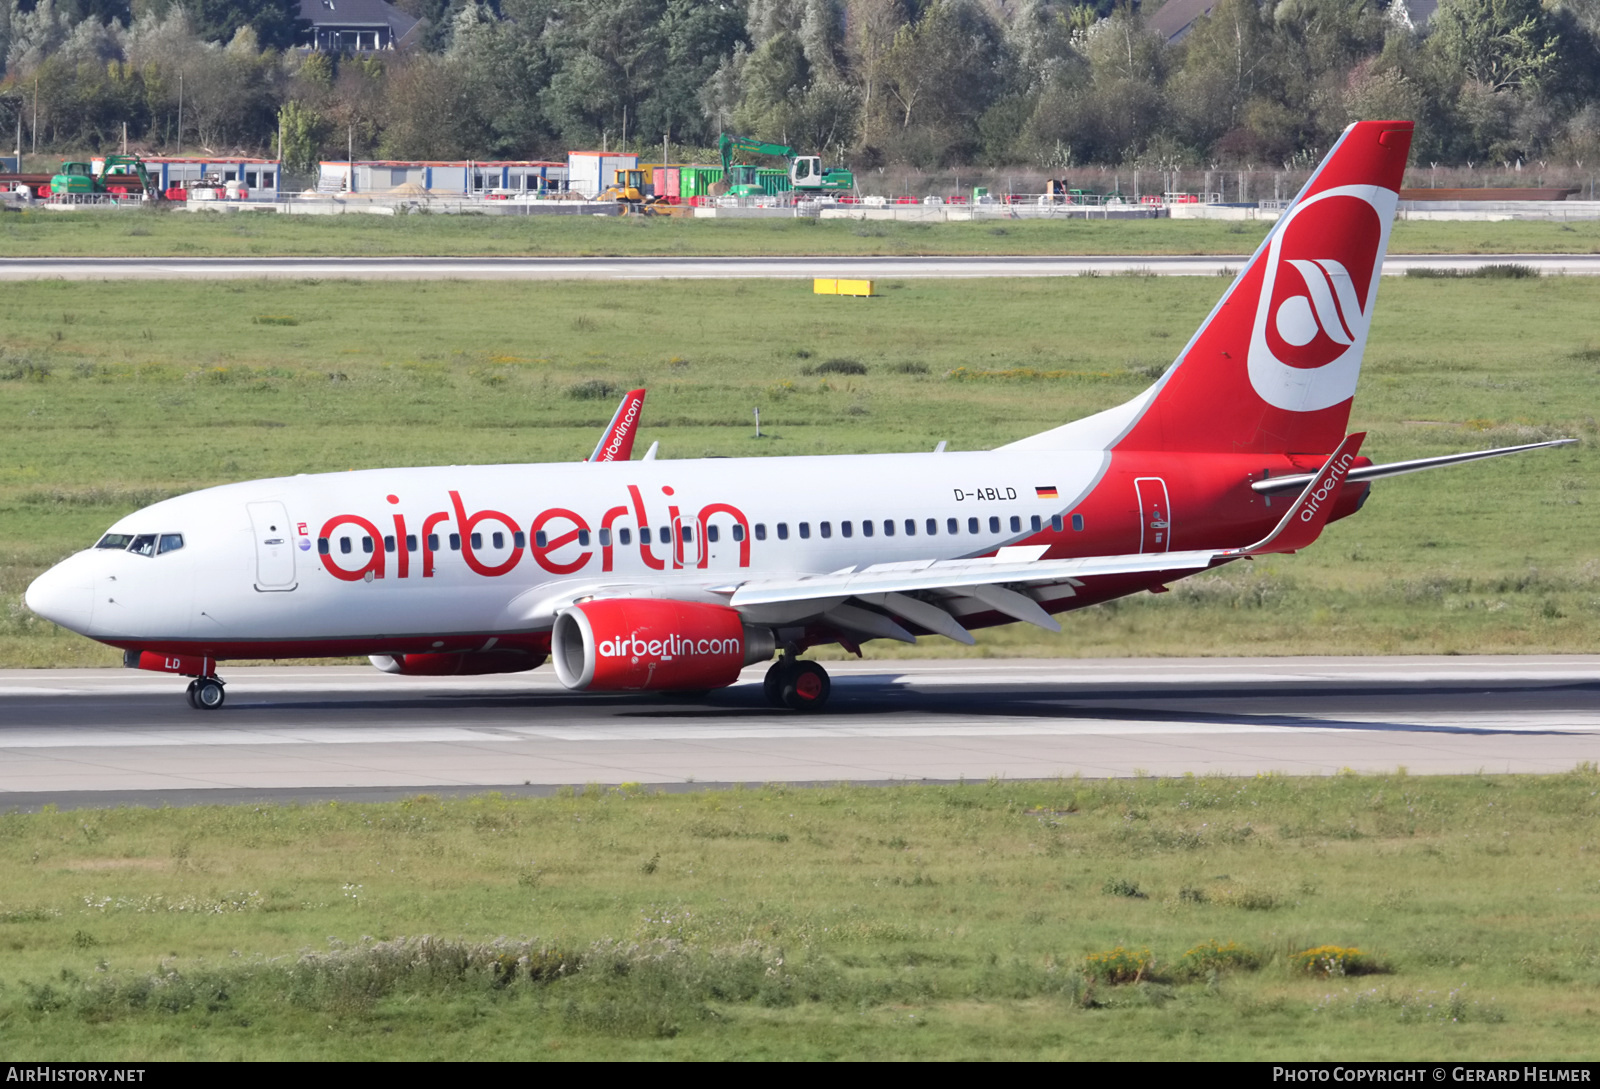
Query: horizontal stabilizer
[
  {"x": 1276, "y": 484},
  {"x": 1304, "y": 521}
]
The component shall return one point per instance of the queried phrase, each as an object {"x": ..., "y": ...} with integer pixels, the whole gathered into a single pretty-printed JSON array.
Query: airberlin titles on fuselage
[{"x": 560, "y": 540}]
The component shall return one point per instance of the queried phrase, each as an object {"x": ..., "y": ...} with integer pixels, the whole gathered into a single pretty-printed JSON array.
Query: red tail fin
[
  {"x": 617, "y": 442},
  {"x": 1274, "y": 367}
]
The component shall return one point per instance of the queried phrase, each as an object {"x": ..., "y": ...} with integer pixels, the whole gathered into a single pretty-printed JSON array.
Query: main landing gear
[
  {"x": 797, "y": 685},
  {"x": 206, "y": 693}
]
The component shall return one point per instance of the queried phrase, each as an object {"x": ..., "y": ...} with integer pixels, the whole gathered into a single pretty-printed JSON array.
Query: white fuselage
[{"x": 369, "y": 560}]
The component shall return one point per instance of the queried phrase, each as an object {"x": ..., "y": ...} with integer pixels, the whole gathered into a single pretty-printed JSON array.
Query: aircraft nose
[{"x": 64, "y": 594}]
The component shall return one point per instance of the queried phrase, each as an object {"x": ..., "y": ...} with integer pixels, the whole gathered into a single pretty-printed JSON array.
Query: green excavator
[
  {"x": 120, "y": 175},
  {"x": 806, "y": 172}
]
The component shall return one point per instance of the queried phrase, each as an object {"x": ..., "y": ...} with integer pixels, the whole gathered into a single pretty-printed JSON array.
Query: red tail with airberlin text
[{"x": 1274, "y": 367}]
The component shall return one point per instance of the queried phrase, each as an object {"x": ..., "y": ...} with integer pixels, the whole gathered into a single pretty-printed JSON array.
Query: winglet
[
  {"x": 617, "y": 442},
  {"x": 1303, "y": 524}
]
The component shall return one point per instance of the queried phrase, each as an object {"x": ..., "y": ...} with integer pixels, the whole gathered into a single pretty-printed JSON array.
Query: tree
[
  {"x": 276, "y": 23},
  {"x": 1502, "y": 44}
]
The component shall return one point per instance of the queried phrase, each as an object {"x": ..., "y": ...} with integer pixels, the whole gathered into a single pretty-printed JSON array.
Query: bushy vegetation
[
  {"x": 1049, "y": 84},
  {"x": 963, "y": 921}
]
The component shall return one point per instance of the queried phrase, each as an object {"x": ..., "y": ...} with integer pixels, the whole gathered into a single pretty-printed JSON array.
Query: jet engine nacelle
[
  {"x": 629, "y": 644},
  {"x": 466, "y": 664}
]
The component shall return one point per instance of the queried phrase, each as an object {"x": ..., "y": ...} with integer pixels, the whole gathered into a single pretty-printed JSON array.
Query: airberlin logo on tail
[
  {"x": 1330, "y": 297},
  {"x": 1316, "y": 297}
]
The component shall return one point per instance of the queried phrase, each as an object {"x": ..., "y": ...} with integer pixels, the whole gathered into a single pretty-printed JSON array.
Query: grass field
[
  {"x": 145, "y": 233},
  {"x": 113, "y": 395},
  {"x": 968, "y": 922}
]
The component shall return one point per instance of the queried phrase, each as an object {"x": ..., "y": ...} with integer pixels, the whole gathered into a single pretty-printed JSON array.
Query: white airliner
[{"x": 674, "y": 575}]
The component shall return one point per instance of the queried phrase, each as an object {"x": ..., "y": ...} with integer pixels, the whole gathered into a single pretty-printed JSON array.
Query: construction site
[{"x": 753, "y": 179}]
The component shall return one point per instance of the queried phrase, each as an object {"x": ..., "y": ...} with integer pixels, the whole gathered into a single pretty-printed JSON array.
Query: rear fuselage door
[
  {"x": 1155, "y": 517},
  {"x": 269, "y": 522}
]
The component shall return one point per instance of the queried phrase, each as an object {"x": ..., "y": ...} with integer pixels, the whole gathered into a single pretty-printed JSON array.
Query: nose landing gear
[
  {"x": 206, "y": 693},
  {"x": 797, "y": 685}
]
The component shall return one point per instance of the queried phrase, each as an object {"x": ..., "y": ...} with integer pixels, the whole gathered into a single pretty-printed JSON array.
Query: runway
[
  {"x": 702, "y": 268},
  {"x": 108, "y": 737}
]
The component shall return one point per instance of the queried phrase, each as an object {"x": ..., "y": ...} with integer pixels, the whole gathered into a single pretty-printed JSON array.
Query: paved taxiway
[
  {"x": 116, "y": 736},
  {"x": 702, "y": 268}
]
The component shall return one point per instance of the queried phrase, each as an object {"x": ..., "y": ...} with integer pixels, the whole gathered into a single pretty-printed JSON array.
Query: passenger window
[
  {"x": 688, "y": 534},
  {"x": 388, "y": 543},
  {"x": 583, "y": 537},
  {"x": 433, "y": 542},
  {"x": 738, "y": 532},
  {"x": 344, "y": 546},
  {"x": 1037, "y": 523},
  {"x": 866, "y": 527},
  {"x": 972, "y": 525},
  {"x": 455, "y": 542},
  {"x": 605, "y": 538},
  {"x": 761, "y": 531},
  {"x": 540, "y": 540},
  {"x": 932, "y": 527},
  {"x": 644, "y": 534},
  {"x": 826, "y": 529},
  {"x": 712, "y": 533},
  {"x": 118, "y": 541},
  {"x": 411, "y": 542},
  {"x": 1055, "y": 522},
  {"x": 366, "y": 545},
  {"x": 783, "y": 531},
  {"x": 845, "y": 529},
  {"x": 322, "y": 546},
  {"x": 1016, "y": 524},
  {"x": 805, "y": 530},
  {"x": 170, "y": 542},
  {"x": 664, "y": 534},
  {"x": 499, "y": 540},
  {"x": 519, "y": 541},
  {"x": 477, "y": 540},
  {"x": 888, "y": 527},
  {"x": 1077, "y": 523},
  {"x": 952, "y": 526},
  {"x": 143, "y": 545},
  {"x": 625, "y": 536},
  {"x": 994, "y": 523}
]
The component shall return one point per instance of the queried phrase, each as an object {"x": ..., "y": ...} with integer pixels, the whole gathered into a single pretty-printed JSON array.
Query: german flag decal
[{"x": 1046, "y": 492}]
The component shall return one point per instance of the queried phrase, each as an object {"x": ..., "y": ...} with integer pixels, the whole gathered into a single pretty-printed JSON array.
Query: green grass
[
  {"x": 976, "y": 921},
  {"x": 114, "y": 394},
  {"x": 145, "y": 233}
]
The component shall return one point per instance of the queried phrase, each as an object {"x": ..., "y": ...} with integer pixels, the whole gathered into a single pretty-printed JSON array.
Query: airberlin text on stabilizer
[
  {"x": 58, "y": 1072},
  {"x": 1328, "y": 487},
  {"x": 1494, "y": 1072}
]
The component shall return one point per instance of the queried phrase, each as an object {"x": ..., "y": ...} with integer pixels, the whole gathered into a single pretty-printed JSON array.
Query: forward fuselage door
[
  {"x": 1155, "y": 516},
  {"x": 269, "y": 522}
]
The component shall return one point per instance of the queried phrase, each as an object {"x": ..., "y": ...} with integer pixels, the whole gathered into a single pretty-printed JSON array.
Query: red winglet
[
  {"x": 617, "y": 442},
  {"x": 1303, "y": 524}
]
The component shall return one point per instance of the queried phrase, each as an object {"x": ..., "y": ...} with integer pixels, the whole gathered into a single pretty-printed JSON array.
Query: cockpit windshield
[{"x": 143, "y": 544}]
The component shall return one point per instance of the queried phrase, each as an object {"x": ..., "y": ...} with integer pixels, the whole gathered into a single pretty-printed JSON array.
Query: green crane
[{"x": 806, "y": 172}]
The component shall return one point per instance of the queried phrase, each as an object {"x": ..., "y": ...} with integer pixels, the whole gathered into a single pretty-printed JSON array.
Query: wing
[
  {"x": 872, "y": 601},
  {"x": 1007, "y": 581}
]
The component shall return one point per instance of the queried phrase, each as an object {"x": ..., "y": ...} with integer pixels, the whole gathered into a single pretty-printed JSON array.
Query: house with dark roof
[
  {"x": 1174, "y": 19},
  {"x": 355, "y": 26}
]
